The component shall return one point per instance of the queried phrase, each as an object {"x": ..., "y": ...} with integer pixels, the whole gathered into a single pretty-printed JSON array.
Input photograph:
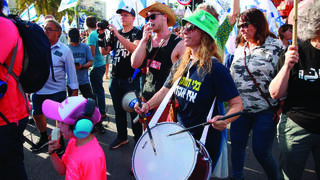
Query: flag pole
[
  {"x": 137, "y": 14},
  {"x": 295, "y": 23},
  {"x": 75, "y": 15}
]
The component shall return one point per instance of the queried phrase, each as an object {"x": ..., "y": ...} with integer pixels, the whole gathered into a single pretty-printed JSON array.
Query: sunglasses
[
  {"x": 152, "y": 16},
  {"x": 244, "y": 25},
  {"x": 189, "y": 28}
]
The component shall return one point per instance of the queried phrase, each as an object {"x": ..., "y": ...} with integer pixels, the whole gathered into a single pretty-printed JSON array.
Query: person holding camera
[
  {"x": 157, "y": 52},
  {"x": 122, "y": 42},
  {"x": 83, "y": 61},
  {"x": 98, "y": 70}
]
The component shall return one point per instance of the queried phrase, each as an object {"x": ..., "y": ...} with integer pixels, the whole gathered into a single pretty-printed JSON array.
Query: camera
[{"x": 103, "y": 24}]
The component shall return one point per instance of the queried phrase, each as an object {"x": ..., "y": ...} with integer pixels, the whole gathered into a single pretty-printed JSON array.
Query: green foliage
[{"x": 46, "y": 7}]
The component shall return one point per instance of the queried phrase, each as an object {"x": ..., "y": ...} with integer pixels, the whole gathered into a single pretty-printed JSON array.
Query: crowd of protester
[{"x": 150, "y": 61}]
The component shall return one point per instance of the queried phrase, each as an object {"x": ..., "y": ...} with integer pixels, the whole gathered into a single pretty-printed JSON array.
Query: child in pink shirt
[{"x": 84, "y": 158}]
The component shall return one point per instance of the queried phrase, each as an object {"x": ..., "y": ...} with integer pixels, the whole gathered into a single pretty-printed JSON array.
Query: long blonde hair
[{"x": 206, "y": 51}]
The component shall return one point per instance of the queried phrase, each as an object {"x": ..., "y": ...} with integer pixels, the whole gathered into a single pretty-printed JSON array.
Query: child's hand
[{"x": 53, "y": 145}]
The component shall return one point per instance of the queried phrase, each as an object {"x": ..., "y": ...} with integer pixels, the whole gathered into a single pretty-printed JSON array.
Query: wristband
[{"x": 149, "y": 107}]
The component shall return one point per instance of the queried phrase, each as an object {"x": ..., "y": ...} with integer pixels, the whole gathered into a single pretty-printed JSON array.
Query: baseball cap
[
  {"x": 69, "y": 111},
  {"x": 74, "y": 35},
  {"x": 127, "y": 9}
]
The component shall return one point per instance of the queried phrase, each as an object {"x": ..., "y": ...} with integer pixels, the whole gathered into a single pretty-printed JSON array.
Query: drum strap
[
  {"x": 163, "y": 104},
  {"x": 166, "y": 99},
  {"x": 206, "y": 128}
]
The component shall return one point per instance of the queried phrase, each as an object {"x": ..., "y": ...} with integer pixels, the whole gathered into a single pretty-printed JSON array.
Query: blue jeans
[
  {"x": 295, "y": 145},
  {"x": 263, "y": 133},
  {"x": 11, "y": 151},
  {"x": 96, "y": 79},
  {"x": 118, "y": 88}
]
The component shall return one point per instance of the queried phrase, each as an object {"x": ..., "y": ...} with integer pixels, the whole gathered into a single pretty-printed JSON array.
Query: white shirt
[{"x": 63, "y": 64}]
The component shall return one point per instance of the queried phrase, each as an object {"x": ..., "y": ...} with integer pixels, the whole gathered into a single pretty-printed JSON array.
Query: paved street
[{"x": 39, "y": 166}]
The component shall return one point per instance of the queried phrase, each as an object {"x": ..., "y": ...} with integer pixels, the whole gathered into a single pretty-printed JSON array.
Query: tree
[{"x": 44, "y": 7}]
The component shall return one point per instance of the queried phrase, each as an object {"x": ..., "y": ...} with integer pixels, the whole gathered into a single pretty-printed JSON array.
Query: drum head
[{"x": 176, "y": 155}]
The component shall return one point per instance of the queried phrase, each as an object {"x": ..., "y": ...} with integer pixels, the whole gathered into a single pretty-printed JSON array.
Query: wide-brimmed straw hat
[
  {"x": 204, "y": 21},
  {"x": 157, "y": 6}
]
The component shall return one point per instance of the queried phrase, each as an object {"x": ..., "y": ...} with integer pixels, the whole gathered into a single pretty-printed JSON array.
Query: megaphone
[{"x": 128, "y": 101}]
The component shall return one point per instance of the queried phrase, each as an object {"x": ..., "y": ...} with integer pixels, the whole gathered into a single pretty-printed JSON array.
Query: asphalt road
[{"x": 39, "y": 167}]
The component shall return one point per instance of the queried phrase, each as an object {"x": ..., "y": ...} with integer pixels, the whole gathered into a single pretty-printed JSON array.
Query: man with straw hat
[{"x": 159, "y": 51}]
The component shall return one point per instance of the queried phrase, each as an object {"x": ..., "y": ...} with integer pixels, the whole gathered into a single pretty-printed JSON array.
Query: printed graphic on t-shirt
[
  {"x": 154, "y": 64},
  {"x": 77, "y": 56},
  {"x": 310, "y": 75},
  {"x": 120, "y": 52},
  {"x": 188, "y": 89}
]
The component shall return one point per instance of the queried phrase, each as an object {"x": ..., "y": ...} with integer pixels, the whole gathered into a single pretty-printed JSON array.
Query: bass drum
[{"x": 178, "y": 157}]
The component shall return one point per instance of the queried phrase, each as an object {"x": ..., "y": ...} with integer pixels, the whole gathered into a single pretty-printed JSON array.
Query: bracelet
[{"x": 149, "y": 107}]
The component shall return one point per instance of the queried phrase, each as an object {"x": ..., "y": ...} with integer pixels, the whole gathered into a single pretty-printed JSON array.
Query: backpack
[{"x": 37, "y": 58}]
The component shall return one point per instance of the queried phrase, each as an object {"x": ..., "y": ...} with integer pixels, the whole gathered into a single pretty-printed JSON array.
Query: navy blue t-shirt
[{"x": 196, "y": 94}]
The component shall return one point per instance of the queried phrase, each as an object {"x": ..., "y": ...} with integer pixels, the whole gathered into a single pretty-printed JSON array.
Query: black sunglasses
[
  {"x": 189, "y": 28},
  {"x": 152, "y": 17},
  {"x": 244, "y": 25}
]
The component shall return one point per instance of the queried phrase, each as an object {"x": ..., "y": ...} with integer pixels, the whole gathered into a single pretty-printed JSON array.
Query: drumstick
[
  {"x": 148, "y": 128},
  {"x": 206, "y": 123}
]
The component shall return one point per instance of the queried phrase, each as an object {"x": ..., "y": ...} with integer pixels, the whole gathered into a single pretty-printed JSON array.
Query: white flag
[
  {"x": 65, "y": 23},
  {"x": 65, "y": 4},
  {"x": 5, "y": 9},
  {"x": 74, "y": 23},
  {"x": 29, "y": 14},
  {"x": 40, "y": 20}
]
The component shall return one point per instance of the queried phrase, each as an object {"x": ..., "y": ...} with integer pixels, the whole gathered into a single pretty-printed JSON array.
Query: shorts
[{"x": 37, "y": 100}]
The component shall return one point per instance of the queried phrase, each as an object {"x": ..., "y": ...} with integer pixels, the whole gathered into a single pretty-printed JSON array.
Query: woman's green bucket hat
[{"x": 204, "y": 21}]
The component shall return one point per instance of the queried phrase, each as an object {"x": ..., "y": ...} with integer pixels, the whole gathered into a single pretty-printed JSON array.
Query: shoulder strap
[
  {"x": 13, "y": 58},
  {"x": 10, "y": 71},
  {"x": 160, "y": 45},
  {"x": 173, "y": 41},
  {"x": 163, "y": 104},
  {"x": 134, "y": 33},
  {"x": 206, "y": 128},
  {"x": 255, "y": 82}
]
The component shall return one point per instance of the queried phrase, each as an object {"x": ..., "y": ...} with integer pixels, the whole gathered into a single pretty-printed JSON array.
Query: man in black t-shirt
[
  {"x": 123, "y": 44},
  {"x": 298, "y": 79}
]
